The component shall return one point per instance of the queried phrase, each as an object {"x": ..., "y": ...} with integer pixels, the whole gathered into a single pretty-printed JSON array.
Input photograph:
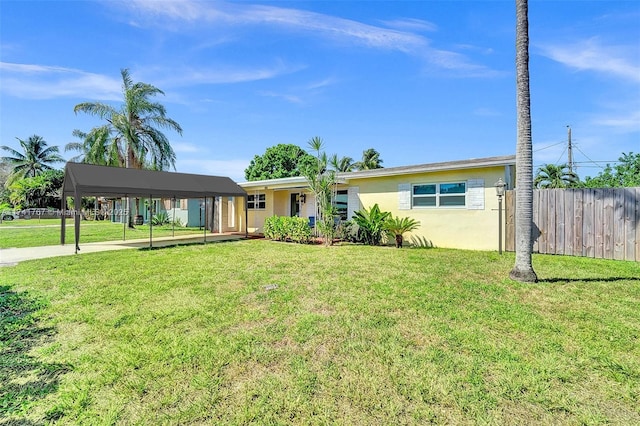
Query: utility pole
[{"x": 569, "y": 153}]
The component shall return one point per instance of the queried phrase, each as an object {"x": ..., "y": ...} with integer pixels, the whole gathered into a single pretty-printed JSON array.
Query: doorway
[{"x": 295, "y": 204}]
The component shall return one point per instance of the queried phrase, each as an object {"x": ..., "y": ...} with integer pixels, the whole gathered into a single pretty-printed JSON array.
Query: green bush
[
  {"x": 348, "y": 231},
  {"x": 371, "y": 224},
  {"x": 161, "y": 218},
  {"x": 283, "y": 228},
  {"x": 396, "y": 227}
]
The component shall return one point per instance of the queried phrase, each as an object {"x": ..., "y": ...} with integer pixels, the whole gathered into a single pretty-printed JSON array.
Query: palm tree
[
  {"x": 397, "y": 227},
  {"x": 134, "y": 129},
  {"x": 97, "y": 147},
  {"x": 523, "y": 269},
  {"x": 35, "y": 158},
  {"x": 135, "y": 126},
  {"x": 370, "y": 160},
  {"x": 344, "y": 164},
  {"x": 321, "y": 182},
  {"x": 552, "y": 176}
]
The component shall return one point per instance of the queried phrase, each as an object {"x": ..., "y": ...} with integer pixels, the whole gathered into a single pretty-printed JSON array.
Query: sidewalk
[{"x": 12, "y": 256}]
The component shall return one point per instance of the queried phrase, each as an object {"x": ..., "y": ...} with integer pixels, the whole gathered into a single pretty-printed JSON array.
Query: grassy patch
[
  {"x": 273, "y": 333},
  {"x": 46, "y": 232}
]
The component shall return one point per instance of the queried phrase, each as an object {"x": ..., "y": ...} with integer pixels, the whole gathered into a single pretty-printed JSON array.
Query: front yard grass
[
  {"x": 46, "y": 232},
  {"x": 257, "y": 332}
]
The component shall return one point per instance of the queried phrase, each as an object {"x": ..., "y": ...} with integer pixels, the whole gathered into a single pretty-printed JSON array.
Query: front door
[{"x": 295, "y": 205}]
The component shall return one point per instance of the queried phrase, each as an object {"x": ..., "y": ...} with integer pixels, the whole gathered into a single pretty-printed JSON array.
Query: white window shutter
[
  {"x": 353, "y": 200},
  {"x": 404, "y": 196},
  {"x": 475, "y": 194}
]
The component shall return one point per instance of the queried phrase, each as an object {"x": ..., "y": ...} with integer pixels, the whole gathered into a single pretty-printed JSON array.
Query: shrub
[
  {"x": 273, "y": 228},
  {"x": 396, "y": 227},
  {"x": 348, "y": 231},
  {"x": 162, "y": 218},
  {"x": 284, "y": 228},
  {"x": 371, "y": 224},
  {"x": 299, "y": 229}
]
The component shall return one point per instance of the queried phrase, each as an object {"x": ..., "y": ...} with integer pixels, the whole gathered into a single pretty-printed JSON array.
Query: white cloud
[
  {"x": 627, "y": 122},
  {"x": 313, "y": 24},
  {"x": 184, "y": 147},
  {"x": 287, "y": 97},
  {"x": 188, "y": 76},
  {"x": 592, "y": 55},
  {"x": 411, "y": 24},
  {"x": 301, "y": 20},
  {"x": 34, "y": 81},
  {"x": 459, "y": 64}
]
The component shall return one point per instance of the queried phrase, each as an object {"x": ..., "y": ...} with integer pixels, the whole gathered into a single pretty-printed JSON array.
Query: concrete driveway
[{"x": 12, "y": 256}]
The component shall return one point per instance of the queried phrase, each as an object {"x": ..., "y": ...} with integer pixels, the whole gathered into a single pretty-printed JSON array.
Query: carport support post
[
  {"x": 150, "y": 222},
  {"x": 64, "y": 222},
  {"x": 205, "y": 219},
  {"x": 246, "y": 216},
  {"x": 173, "y": 222},
  {"x": 77, "y": 204},
  {"x": 124, "y": 222}
]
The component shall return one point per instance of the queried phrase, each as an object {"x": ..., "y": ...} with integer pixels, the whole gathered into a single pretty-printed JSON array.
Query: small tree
[
  {"x": 279, "y": 161},
  {"x": 321, "y": 182},
  {"x": 396, "y": 227},
  {"x": 37, "y": 192}
]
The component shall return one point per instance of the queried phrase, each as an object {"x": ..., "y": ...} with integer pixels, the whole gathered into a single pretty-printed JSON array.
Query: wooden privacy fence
[{"x": 600, "y": 223}]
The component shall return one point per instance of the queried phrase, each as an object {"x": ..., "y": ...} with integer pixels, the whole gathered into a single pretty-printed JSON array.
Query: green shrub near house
[{"x": 284, "y": 228}]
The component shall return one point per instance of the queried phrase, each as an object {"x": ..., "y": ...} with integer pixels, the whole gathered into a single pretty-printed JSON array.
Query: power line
[
  {"x": 588, "y": 157},
  {"x": 548, "y": 146},
  {"x": 561, "y": 155}
]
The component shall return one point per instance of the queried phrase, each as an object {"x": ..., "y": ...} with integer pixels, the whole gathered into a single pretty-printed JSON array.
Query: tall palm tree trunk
[{"x": 523, "y": 269}]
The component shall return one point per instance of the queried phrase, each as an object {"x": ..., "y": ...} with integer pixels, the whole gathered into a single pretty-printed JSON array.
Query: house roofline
[
  {"x": 473, "y": 163},
  {"x": 344, "y": 177}
]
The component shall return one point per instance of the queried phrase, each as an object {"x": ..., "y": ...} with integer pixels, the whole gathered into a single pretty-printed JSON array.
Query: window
[
  {"x": 439, "y": 195},
  {"x": 257, "y": 202},
  {"x": 341, "y": 203}
]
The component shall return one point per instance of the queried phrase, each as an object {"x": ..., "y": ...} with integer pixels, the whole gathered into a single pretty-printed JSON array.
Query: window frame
[
  {"x": 438, "y": 195},
  {"x": 343, "y": 212},
  {"x": 260, "y": 204}
]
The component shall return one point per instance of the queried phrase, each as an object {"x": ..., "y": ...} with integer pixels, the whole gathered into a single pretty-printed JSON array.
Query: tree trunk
[
  {"x": 523, "y": 270},
  {"x": 399, "y": 240}
]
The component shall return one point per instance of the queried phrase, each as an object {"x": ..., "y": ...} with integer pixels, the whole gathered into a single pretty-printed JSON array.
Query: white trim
[
  {"x": 353, "y": 200},
  {"x": 404, "y": 196},
  {"x": 475, "y": 194}
]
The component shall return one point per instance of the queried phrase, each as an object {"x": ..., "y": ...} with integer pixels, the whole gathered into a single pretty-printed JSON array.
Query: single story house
[{"x": 455, "y": 202}]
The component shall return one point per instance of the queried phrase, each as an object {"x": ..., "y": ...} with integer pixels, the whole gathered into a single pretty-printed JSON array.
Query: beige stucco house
[{"x": 455, "y": 202}]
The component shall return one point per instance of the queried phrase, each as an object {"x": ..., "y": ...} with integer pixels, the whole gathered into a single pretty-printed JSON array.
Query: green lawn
[
  {"x": 46, "y": 232},
  {"x": 258, "y": 332}
]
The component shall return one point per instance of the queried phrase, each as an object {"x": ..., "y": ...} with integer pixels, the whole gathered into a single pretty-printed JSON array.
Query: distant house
[
  {"x": 226, "y": 212},
  {"x": 455, "y": 202}
]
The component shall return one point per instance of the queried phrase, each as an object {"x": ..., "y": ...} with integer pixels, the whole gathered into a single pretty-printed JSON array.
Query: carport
[{"x": 83, "y": 180}]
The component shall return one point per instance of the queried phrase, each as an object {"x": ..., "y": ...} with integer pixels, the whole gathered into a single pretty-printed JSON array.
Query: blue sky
[{"x": 420, "y": 81}]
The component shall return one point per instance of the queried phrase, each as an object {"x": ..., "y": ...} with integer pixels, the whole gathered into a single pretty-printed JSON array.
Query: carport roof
[{"x": 89, "y": 179}]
